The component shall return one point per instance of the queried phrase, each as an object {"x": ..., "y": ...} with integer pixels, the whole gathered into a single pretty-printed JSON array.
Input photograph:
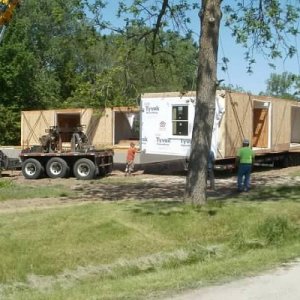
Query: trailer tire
[
  {"x": 57, "y": 168},
  {"x": 32, "y": 169},
  {"x": 84, "y": 169}
]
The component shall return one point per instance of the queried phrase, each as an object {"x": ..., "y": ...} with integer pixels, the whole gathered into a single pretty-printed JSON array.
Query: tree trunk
[{"x": 210, "y": 16}]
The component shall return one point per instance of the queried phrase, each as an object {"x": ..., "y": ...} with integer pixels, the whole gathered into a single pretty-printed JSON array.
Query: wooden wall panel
[
  {"x": 281, "y": 124},
  {"x": 33, "y": 125},
  {"x": 238, "y": 115},
  {"x": 100, "y": 128}
]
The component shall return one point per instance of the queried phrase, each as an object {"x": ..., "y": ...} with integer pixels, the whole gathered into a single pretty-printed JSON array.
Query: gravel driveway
[{"x": 279, "y": 284}]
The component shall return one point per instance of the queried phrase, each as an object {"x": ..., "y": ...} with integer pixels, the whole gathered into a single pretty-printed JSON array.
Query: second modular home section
[{"x": 167, "y": 125}]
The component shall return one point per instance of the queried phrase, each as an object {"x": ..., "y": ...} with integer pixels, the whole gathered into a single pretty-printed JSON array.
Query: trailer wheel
[
  {"x": 57, "y": 168},
  {"x": 84, "y": 169},
  {"x": 32, "y": 169}
]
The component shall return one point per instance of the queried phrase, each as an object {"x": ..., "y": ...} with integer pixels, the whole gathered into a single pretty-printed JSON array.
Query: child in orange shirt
[{"x": 130, "y": 159}]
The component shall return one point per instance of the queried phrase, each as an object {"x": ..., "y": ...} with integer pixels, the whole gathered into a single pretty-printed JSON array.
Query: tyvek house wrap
[{"x": 157, "y": 132}]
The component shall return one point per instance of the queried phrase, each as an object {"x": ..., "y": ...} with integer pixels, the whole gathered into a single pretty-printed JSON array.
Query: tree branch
[{"x": 162, "y": 12}]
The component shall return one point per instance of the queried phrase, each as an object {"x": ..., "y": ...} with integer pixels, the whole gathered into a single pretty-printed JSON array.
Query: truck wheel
[
  {"x": 84, "y": 169},
  {"x": 57, "y": 168},
  {"x": 32, "y": 169}
]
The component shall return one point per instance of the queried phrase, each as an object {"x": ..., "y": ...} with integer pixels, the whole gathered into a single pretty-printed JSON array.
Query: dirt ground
[{"x": 140, "y": 187}]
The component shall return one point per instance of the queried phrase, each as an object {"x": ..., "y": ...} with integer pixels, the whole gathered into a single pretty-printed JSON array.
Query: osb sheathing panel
[
  {"x": 33, "y": 125},
  {"x": 99, "y": 128},
  {"x": 238, "y": 121},
  {"x": 281, "y": 125},
  {"x": 97, "y": 125}
]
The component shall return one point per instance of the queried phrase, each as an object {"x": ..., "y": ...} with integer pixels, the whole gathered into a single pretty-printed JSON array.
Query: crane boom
[{"x": 7, "y": 8}]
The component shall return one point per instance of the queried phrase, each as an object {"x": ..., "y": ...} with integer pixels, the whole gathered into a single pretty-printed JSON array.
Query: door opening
[
  {"x": 67, "y": 123},
  {"x": 295, "y": 125},
  {"x": 260, "y": 138}
]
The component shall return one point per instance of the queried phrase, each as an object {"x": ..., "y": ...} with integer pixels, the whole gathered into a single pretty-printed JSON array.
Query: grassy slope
[{"x": 130, "y": 249}]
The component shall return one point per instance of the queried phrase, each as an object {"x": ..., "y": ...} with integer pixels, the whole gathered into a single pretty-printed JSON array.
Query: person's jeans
[
  {"x": 211, "y": 178},
  {"x": 244, "y": 172}
]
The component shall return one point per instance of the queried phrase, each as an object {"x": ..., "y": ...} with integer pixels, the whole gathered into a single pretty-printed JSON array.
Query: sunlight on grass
[{"x": 9, "y": 190}]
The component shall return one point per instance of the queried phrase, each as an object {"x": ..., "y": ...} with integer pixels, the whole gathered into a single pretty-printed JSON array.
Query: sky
[{"x": 236, "y": 74}]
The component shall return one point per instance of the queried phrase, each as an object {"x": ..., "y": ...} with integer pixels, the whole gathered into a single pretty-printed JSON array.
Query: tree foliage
[
  {"x": 285, "y": 85},
  {"x": 53, "y": 56},
  {"x": 131, "y": 69},
  {"x": 263, "y": 26},
  {"x": 9, "y": 125},
  {"x": 39, "y": 62}
]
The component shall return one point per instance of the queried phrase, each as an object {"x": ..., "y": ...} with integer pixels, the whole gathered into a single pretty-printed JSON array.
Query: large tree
[{"x": 262, "y": 25}]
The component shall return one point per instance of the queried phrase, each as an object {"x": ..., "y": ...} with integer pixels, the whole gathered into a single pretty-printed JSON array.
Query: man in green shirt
[{"x": 244, "y": 159}]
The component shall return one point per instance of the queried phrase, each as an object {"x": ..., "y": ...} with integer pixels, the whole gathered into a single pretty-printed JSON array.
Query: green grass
[
  {"x": 9, "y": 191},
  {"x": 134, "y": 249}
]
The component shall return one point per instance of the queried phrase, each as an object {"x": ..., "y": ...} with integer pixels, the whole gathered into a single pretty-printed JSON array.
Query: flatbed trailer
[
  {"x": 280, "y": 159},
  {"x": 83, "y": 165},
  {"x": 9, "y": 159}
]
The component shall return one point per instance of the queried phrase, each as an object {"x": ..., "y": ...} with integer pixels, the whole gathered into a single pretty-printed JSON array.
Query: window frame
[{"x": 177, "y": 120}]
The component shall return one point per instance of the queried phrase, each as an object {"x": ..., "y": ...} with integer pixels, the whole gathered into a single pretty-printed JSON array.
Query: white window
[{"x": 180, "y": 120}]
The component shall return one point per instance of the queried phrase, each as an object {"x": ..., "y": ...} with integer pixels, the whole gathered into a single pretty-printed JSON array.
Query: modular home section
[
  {"x": 103, "y": 126},
  {"x": 272, "y": 125},
  {"x": 35, "y": 124}
]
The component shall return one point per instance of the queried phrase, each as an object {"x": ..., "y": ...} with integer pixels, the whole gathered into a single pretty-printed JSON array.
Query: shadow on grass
[
  {"x": 171, "y": 208},
  {"x": 262, "y": 194},
  {"x": 257, "y": 193},
  {"x": 137, "y": 191},
  {"x": 174, "y": 192},
  {"x": 275, "y": 193},
  {"x": 164, "y": 208}
]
